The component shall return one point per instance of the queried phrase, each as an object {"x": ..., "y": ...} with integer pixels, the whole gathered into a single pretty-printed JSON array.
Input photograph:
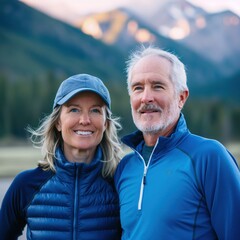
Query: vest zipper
[{"x": 75, "y": 207}]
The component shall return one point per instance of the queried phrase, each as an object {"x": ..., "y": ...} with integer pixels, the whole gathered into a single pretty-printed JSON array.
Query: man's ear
[{"x": 183, "y": 98}]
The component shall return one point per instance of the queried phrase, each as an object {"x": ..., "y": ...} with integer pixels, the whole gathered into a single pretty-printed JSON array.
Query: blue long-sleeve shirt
[{"x": 190, "y": 189}]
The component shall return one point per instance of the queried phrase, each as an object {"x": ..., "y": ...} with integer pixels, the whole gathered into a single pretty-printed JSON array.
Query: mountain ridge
[
  {"x": 38, "y": 51},
  {"x": 213, "y": 36},
  {"x": 61, "y": 48},
  {"x": 69, "y": 44}
]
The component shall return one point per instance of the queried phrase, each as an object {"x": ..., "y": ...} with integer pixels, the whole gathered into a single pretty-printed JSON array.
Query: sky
[{"x": 68, "y": 10}]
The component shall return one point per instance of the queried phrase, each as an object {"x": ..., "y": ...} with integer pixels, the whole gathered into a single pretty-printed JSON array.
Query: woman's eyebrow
[{"x": 72, "y": 105}]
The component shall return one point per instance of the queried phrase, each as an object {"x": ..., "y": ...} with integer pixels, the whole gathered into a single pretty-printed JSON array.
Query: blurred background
[{"x": 44, "y": 42}]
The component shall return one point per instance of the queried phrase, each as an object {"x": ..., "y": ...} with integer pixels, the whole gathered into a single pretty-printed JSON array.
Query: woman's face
[{"x": 82, "y": 124}]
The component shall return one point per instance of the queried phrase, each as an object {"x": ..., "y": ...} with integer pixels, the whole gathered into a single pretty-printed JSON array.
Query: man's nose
[{"x": 147, "y": 96}]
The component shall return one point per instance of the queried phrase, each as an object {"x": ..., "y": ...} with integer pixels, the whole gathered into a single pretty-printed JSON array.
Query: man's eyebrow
[
  {"x": 136, "y": 83},
  {"x": 159, "y": 81}
]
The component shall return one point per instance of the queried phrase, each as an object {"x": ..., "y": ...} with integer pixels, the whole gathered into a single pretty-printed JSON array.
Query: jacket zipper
[
  {"x": 143, "y": 182},
  {"x": 75, "y": 205}
]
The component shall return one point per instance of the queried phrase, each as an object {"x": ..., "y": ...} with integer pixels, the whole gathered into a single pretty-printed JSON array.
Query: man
[{"x": 174, "y": 185}]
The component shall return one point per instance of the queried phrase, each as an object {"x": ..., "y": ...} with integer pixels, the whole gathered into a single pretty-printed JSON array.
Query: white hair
[{"x": 178, "y": 72}]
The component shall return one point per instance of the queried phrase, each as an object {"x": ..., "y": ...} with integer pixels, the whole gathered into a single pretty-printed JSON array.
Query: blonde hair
[{"x": 48, "y": 138}]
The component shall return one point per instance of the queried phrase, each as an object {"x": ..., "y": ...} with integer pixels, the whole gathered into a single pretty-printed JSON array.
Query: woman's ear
[
  {"x": 58, "y": 126},
  {"x": 106, "y": 124}
]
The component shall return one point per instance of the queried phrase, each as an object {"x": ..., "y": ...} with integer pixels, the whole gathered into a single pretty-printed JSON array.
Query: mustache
[{"x": 147, "y": 107}]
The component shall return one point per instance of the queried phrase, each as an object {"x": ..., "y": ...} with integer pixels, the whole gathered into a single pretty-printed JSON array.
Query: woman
[{"x": 70, "y": 195}]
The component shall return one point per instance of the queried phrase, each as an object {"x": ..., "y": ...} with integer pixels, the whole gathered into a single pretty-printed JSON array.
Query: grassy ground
[
  {"x": 234, "y": 148},
  {"x": 16, "y": 159}
]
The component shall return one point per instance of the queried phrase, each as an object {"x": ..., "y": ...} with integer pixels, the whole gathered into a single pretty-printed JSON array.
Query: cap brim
[{"x": 73, "y": 93}]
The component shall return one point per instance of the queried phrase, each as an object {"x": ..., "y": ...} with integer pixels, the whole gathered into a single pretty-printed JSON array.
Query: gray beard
[{"x": 166, "y": 120}]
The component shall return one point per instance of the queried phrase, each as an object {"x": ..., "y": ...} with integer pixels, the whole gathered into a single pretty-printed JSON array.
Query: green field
[
  {"x": 234, "y": 148},
  {"x": 16, "y": 159}
]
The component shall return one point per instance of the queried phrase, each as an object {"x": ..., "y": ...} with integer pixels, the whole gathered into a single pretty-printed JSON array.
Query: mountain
[
  {"x": 207, "y": 43},
  {"x": 37, "y": 52},
  {"x": 33, "y": 43},
  {"x": 37, "y": 49},
  {"x": 125, "y": 30},
  {"x": 214, "y": 36},
  {"x": 221, "y": 45}
]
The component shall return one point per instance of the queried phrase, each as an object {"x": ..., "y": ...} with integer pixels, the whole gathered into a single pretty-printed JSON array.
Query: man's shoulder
[
  {"x": 199, "y": 143},
  {"x": 204, "y": 150},
  {"x": 126, "y": 158},
  {"x": 123, "y": 164}
]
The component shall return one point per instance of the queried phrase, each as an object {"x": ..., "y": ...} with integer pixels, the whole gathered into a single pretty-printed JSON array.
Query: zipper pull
[
  {"x": 144, "y": 179},
  {"x": 145, "y": 175}
]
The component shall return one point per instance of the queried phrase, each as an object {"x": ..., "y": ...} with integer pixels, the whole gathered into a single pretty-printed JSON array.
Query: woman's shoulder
[
  {"x": 23, "y": 187},
  {"x": 37, "y": 174},
  {"x": 30, "y": 180}
]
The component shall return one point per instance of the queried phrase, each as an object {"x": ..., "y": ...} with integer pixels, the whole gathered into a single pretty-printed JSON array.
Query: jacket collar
[
  {"x": 66, "y": 168},
  {"x": 135, "y": 140}
]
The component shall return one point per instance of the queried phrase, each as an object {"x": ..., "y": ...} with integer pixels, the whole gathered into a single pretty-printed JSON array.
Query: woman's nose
[{"x": 84, "y": 119}]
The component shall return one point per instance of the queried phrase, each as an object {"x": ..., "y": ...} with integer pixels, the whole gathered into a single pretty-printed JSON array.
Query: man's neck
[{"x": 151, "y": 138}]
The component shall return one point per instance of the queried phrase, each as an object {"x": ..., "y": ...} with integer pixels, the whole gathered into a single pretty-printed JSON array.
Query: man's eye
[
  {"x": 137, "y": 88},
  {"x": 158, "y": 87}
]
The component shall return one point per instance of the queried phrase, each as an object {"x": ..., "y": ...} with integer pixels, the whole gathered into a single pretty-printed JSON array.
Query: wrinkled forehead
[
  {"x": 151, "y": 68},
  {"x": 152, "y": 64}
]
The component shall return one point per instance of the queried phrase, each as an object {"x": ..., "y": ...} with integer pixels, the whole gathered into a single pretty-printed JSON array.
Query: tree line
[{"x": 25, "y": 101}]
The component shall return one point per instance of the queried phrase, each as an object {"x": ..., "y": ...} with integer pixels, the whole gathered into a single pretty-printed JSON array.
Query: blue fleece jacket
[
  {"x": 76, "y": 203},
  {"x": 190, "y": 189}
]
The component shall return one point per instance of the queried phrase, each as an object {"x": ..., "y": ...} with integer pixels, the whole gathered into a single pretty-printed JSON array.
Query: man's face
[{"x": 155, "y": 104}]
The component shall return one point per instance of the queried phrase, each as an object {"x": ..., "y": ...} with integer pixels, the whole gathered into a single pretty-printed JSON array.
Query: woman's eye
[
  {"x": 74, "y": 110},
  {"x": 95, "y": 110}
]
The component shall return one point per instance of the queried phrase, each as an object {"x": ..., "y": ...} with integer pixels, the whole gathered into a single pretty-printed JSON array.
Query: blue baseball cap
[{"x": 80, "y": 83}]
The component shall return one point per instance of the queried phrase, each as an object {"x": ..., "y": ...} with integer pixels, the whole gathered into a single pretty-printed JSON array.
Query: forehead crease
[{"x": 146, "y": 81}]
